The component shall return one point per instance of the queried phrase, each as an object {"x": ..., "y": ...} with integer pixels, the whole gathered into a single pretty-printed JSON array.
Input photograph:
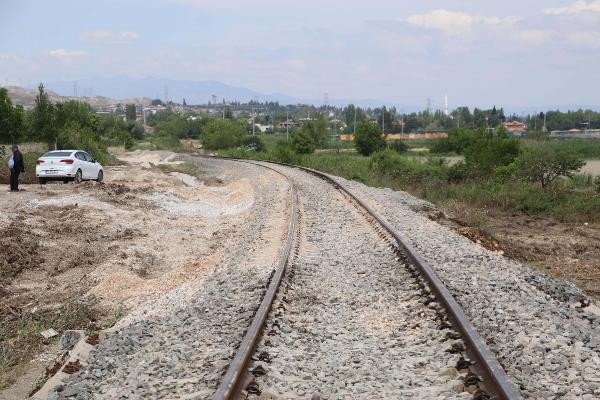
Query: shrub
[
  {"x": 398, "y": 146},
  {"x": 388, "y": 162},
  {"x": 545, "y": 165},
  {"x": 318, "y": 130},
  {"x": 74, "y": 136},
  {"x": 222, "y": 134},
  {"x": 484, "y": 155},
  {"x": 253, "y": 143},
  {"x": 303, "y": 143},
  {"x": 369, "y": 138},
  {"x": 597, "y": 184},
  {"x": 284, "y": 153},
  {"x": 458, "y": 141},
  {"x": 458, "y": 172}
]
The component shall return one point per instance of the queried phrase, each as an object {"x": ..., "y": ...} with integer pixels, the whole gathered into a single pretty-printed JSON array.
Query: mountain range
[
  {"x": 125, "y": 89},
  {"x": 194, "y": 92}
]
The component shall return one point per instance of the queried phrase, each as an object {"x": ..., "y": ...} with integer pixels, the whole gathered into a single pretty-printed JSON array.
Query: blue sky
[{"x": 482, "y": 53}]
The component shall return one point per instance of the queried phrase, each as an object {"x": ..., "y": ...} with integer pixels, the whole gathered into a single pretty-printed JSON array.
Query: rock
[{"x": 69, "y": 339}]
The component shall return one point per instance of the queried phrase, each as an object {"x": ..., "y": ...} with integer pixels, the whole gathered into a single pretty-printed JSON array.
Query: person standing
[{"x": 16, "y": 166}]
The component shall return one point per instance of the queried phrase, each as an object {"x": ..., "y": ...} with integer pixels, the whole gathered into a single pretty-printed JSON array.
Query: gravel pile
[
  {"x": 183, "y": 350},
  {"x": 549, "y": 348},
  {"x": 349, "y": 321}
]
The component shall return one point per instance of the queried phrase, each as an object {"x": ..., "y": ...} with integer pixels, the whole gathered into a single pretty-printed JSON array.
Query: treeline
[
  {"x": 69, "y": 124},
  {"x": 562, "y": 121}
]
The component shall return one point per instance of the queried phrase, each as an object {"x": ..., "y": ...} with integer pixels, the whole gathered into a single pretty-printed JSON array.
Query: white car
[{"x": 68, "y": 165}]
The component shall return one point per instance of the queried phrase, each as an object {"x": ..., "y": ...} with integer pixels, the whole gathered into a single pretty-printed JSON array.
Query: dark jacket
[{"x": 18, "y": 160}]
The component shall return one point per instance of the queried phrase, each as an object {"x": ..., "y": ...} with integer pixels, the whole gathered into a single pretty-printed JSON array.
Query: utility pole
[{"x": 402, "y": 122}]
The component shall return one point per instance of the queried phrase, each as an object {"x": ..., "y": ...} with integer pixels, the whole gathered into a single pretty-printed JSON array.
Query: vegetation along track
[{"x": 348, "y": 322}]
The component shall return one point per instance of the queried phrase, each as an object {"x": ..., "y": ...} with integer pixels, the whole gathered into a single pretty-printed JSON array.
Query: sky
[{"x": 484, "y": 53}]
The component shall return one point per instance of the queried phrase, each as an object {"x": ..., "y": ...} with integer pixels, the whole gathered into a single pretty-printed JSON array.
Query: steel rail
[
  {"x": 494, "y": 379},
  {"x": 233, "y": 380}
]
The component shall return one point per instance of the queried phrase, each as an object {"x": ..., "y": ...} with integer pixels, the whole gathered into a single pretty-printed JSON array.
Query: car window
[
  {"x": 80, "y": 156},
  {"x": 58, "y": 154},
  {"x": 88, "y": 157}
]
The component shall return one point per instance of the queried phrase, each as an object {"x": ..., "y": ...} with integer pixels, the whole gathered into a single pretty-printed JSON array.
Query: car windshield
[{"x": 58, "y": 154}]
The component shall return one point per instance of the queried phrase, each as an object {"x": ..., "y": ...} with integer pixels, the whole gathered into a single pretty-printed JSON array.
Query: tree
[
  {"x": 221, "y": 134},
  {"x": 11, "y": 119},
  {"x": 74, "y": 112},
  {"x": 368, "y": 138},
  {"x": 130, "y": 112},
  {"x": 303, "y": 143},
  {"x": 486, "y": 154},
  {"x": 318, "y": 130},
  {"x": 156, "y": 102},
  {"x": 545, "y": 165},
  {"x": 352, "y": 114},
  {"x": 43, "y": 124}
]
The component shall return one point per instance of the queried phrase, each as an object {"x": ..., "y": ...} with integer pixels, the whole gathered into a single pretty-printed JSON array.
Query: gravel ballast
[
  {"x": 549, "y": 348},
  {"x": 349, "y": 321},
  {"x": 180, "y": 345}
]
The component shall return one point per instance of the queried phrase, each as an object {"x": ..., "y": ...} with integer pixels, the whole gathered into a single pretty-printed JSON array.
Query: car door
[
  {"x": 92, "y": 165},
  {"x": 83, "y": 164}
]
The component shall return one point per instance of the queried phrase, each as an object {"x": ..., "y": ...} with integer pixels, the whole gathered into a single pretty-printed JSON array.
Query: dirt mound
[
  {"x": 476, "y": 235},
  {"x": 20, "y": 250}
]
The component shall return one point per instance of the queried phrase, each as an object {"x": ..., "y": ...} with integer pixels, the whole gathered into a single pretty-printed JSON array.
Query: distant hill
[
  {"x": 26, "y": 98},
  {"x": 194, "y": 92}
]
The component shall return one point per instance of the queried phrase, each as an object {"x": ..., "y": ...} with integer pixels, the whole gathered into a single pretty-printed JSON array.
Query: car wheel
[
  {"x": 42, "y": 181},
  {"x": 100, "y": 176},
  {"x": 78, "y": 176}
]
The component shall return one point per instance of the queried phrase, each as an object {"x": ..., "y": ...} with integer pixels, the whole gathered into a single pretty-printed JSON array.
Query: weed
[{"x": 20, "y": 331}]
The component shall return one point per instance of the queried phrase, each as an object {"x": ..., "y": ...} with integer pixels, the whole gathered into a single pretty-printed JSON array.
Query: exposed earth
[{"x": 82, "y": 256}]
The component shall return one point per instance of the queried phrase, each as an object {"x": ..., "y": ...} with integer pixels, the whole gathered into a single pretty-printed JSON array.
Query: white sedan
[{"x": 68, "y": 165}]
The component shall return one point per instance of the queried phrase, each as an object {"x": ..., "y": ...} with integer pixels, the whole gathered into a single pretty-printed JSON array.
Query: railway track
[{"x": 392, "y": 332}]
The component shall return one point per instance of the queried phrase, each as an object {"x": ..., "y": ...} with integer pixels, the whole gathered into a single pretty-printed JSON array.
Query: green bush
[
  {"x": 458, "y": 141},
  {"x": 74, "y": 136},
  {"x": 284, "y": 153},
  {"x": 398, "y": 146},
  {"x": 597, "y": 184},
  {"x": 545, "y": 164},
  {"x": 369, "y": 138},
  {"x": 458, "y": 172},
  {"x": 388, "y": 162},
  {"x": 303, "y": 143},
  {"x": 253, "y": 143},
  {"x": 486, "y": 154},
  {"x": 222, "y": 134},
  {"x": 318, "y": 130}
]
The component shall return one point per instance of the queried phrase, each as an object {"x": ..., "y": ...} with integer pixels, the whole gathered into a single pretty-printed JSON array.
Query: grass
[
  {"x": 569, "y": 200},
  {"x": 192, "y": 169},
  {"x": 119, "y": 313},
  {"x": 20, "y": 337},
  {"x": 587, "y": 149}
]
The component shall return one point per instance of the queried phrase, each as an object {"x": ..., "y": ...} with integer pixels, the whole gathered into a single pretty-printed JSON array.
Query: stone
[{"x": 69, "y": 339}]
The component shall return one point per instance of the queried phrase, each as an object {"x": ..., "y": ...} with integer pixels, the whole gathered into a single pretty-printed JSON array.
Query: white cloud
[
  {"x": 65, "y": 53},
  {"x": 575, "y": 8},
  {"x": 457, "y": 22},
  {"x": 585, "y": 39},
  {"x": 108, "y": 37},
  {"x": 295, "y": 63},
  {"x": 533, "y": 36}
]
